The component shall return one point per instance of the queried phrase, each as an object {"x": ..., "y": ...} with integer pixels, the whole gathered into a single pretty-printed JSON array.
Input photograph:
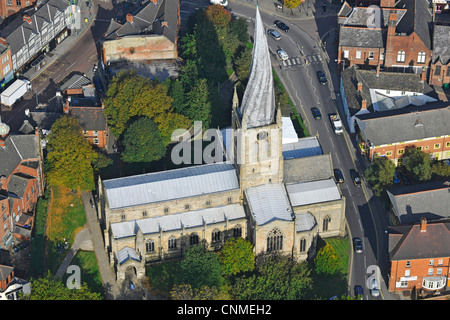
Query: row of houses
[
  {"x": 401, "y": 36},
  {"x": 394, "y": 61}
]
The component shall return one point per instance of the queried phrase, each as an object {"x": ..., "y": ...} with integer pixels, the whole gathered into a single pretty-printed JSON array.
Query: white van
[{"x": 221, "y": 2}]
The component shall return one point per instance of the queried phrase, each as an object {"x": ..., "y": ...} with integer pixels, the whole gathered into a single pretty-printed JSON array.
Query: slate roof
[
  {"x": 17, "y": 32},
  {"x": 405, "y": 124},
  {"x": 362, "y": 37},
  {"x": 172, "y": 184},
  {"x": 149, "y": 21},
  {"x": 406, "y": 242},
  {"x": 77, "y": 81},
  {"x": 418, "y": 18},
  {"x": 17, "y": 148},
  {"x": 304, "y": 147},
  {"x": 369, "y": 80},
  {"x": 18, "y": 183},
  {"x": 126, "y": 254},
  {"x": 89, "y": 118},
  {"x": 430, "y": 200},
  {"x": 269, "y": 202},
  {"x": 363, "y": 16},
  {"x": 441, "y": 46},
  {"x": 311, "y": 168}
]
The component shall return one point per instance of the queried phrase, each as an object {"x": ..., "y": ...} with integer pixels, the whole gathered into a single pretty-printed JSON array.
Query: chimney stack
[
  {"x": 129, "y": 17},
  {"x": 364, "y": 104},
  {"x": 27, "y": 18},
  {"x": 359, "y": 88},
  {"x": 423, "y": 225}
]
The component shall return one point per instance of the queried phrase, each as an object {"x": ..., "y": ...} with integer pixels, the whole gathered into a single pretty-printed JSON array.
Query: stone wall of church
[
  {"x": 330, "y": 217},
  {"x": 173, "y": 244},
  {"x": 172, "y": 206},
  {"x": 272, "y": 231}
]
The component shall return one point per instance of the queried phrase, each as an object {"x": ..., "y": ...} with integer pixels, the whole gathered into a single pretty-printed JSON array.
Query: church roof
[
  {"x": 169, "y": 185},
  {"x": 269, "y": 202},
  {"x": 177, "y": 221},
  {"x": 258, "y": 103},
  {"x": 306, "y": 193}
]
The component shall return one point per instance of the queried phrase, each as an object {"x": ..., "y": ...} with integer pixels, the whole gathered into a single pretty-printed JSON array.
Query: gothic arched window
[
  {"x": 274, "y": 240},
  {"x": 302, "y": 245},
  {"x": 215, "y": 236},
  {"x": 193, "y": 239},
  {"x": 149, "y": 246},
  {"x": 172, "y": 243},
  {"x": 326, "y": 223}
]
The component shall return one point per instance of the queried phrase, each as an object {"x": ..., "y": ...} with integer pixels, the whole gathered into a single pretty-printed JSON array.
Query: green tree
[
  {"x": 242, "y": 64},
  {"x": 142, "y": 142},
  {"x": 198, "y": 104},
  {"x": 131, "y": 95},
  {"x": 276, "y": 277},
  {"x": 175, "y": 90},
  {"x": 200, "y": 268},
  {"x": 186, "y": 292},
  {"x": 418, "y": 163},
  {"x": 70, "y": 156},
  {"x": 218, "y": 15},
  {"x": 380, "y": 174},
  {"x": 441, "y": 170},
  {"x": 327, "y": 261},
  {"x": 237, "y": 256},
  {"x": 48, "y": 288},
  {"x": 292, "y": 4},
  {"x": 240, "y": 28}
]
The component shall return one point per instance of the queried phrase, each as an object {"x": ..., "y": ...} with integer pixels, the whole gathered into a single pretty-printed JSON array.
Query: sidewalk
[{"x": 69, "y": 42}]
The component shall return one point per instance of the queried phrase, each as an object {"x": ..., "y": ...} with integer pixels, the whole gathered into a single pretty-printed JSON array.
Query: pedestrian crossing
[{"x": 305, "y": 60}]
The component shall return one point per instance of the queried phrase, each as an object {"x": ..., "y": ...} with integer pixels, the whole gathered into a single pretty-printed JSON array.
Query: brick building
[
  {"x": 9, "y": 7},
  {"x": 21, "y": 184},
  {"x": 419, "y": 257},
  {"x": 395, "y": 37},
  {"x": 6, "y": 69},
  {"x": 440, "y": 63},
  {"x": 390, "y": 133}
]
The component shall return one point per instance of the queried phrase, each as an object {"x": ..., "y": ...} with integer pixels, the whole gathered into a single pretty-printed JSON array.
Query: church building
[{"x": 259, "y": 193}]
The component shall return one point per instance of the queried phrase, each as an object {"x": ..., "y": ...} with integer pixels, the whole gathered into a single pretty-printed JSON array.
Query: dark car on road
[
  {"x": 281, "y": 25},
  {"x": 316, "y": 113},
  {"x": 357, "y": 245},
  {"x": 98, "y": 84},
  {"x": 322, "y": 78},
  {"x": 338, "y": 176},
  {"x": 355, "y": 177},
  {"x": 359, "y": 292}
]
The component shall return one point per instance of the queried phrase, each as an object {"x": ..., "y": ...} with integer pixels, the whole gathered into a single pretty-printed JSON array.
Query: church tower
[{"x": 257, "y": 127}]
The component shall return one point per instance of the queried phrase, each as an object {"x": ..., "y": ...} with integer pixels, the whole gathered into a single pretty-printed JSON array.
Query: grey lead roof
[
  {"x": 258, "y": 103},
  {"x": 178, "y": 221},
  {"x": 173, "y": 184},
  {"x": 269, "y": 202},
  {"x": 441, "y": 47},
  {"x": 305, "y": 193}
]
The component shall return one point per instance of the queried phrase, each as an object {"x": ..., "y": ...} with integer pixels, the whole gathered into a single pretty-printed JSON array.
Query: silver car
[
  {"x": 274, "y": 34},
  {"x": 282, "y": 54},
  {"x": 375, "y": 289}
]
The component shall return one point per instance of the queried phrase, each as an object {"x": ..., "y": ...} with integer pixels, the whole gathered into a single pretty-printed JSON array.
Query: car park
[
  {"x": 357, "y": 245},
  {"x": 322, "y": 78},
  {"x": 281, "y": 25},
  {"x": 274, "y": 34},
  {"x": 359, "y": 292},
  {"x": 355, "y": 177},
  {"x": 316, "y": 113},
  {"x": 338, "y": 176},
  {"x": 282, "y": 54}
]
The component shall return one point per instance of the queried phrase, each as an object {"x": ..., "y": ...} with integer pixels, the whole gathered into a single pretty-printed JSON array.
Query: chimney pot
[
  {"x": 359, "y": 86},
  {"x": 129, "y": 17},
  {"x": 364, "y": 104},
  {"x": 423, "y": 225}
]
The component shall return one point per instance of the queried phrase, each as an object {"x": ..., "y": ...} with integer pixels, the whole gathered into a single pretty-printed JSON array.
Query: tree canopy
[
  {"x": 130, "y": 95},
  {"x": 142, "y": 142},
  {"x": 327, "y": 261},
  {"x": 380, "y": 174},
  {"x": 418, "y": 163},
  {"x": 70, "y": 156},
  {"x": 237, "y": 256}
]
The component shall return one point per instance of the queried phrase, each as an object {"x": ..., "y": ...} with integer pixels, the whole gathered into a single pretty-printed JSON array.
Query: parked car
[
  {"x": 357, "y": 245},
  {"x": 338, "y": 176},
  {"x": 322, "y": 78},
  {"x": 221, "y": 2},
  {"x": 281, "y": 25},
  {"x": 274, "y": 34},
  {"x": 282, "y": 54},
  {"x": 396, "y": 178},
  {"x": 316, "y": 113},
  {"x": 375, "y": 289},
  {"x": 359, "y": 292},
  {"x": 355, "y": 177},
  {"x": 98, "y": 84}
]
